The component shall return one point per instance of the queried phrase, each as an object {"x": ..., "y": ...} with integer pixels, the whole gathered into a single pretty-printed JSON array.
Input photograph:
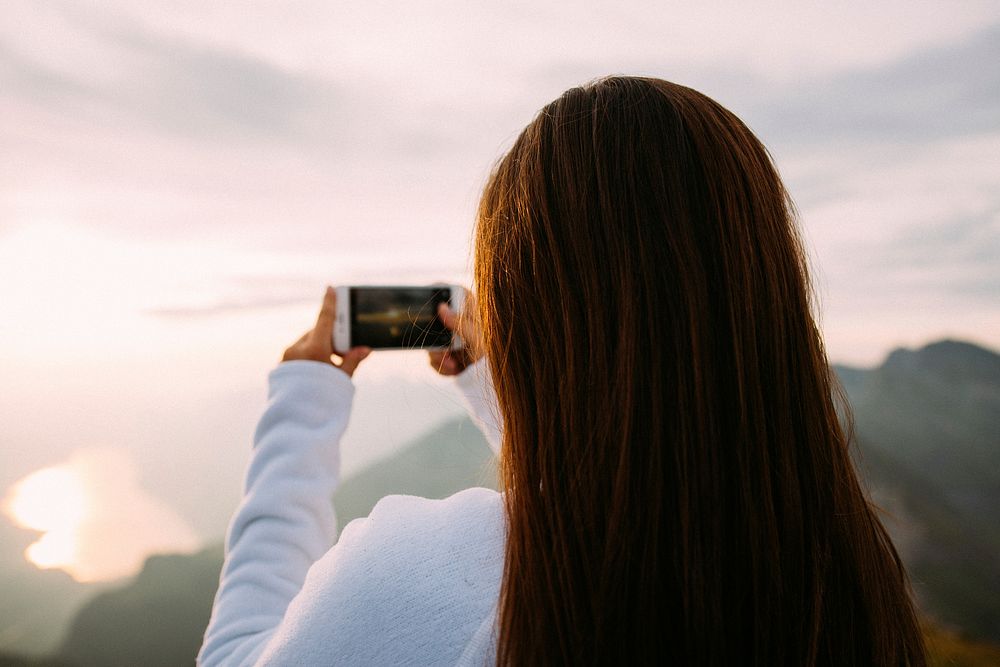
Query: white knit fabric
[{"x": 414, "y": 583}]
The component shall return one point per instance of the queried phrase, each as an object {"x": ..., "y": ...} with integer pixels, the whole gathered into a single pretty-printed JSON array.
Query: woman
[{"x": 677, "y": 487}]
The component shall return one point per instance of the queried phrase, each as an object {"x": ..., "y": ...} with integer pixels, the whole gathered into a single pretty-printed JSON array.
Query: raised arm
[{"x": 285, "y": 521}]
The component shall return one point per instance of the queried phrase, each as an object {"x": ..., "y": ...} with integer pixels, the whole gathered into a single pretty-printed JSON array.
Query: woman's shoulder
[
  {"x": 415, "y": 578},
  {"x": 477, "y": 509},
  {"x": 405, "y": 534}
]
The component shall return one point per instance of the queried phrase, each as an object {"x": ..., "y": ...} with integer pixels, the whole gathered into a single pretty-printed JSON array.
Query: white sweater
[{"x": 415, "y": 583}]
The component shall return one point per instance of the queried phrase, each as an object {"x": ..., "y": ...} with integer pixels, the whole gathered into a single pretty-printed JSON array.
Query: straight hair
[{"x": 678, "y": 487}]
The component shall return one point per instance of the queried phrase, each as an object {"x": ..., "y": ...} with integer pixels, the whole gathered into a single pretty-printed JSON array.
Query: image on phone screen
[{"x": 398, "y": 317}]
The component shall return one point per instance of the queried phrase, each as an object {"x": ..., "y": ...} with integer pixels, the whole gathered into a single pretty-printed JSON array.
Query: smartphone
[{"x": 395, "y": 317}]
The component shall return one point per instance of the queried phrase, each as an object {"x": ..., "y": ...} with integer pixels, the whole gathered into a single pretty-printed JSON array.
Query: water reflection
[{"x": 96, "y": 522}]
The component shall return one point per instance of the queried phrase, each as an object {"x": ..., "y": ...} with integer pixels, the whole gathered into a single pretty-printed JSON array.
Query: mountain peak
[{"x": 953, "y": 360}]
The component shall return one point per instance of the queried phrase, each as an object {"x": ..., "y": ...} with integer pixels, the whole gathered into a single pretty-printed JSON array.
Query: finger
[
  {"x": 352, "y": 358},
  {"x": 293, "y": 351},
  {"x": 443, "y": 362},
  {"x": 449, "y": 366},
  {"x": 435, "y": 357},
  {"x": 448, "y": 316},
  {"x": 327, "y": 314}
]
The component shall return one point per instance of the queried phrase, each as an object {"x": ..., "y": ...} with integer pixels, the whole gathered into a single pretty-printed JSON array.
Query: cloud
[
  {"x": 143, "y": 80},
  {"x": 171, "y": 85},
  {"x": 926, "y": 95},
  {"x": 959, "y": 257},
  {"x": 250, "y": 293},
  {"x": 971, "y": 240},
  {"x": 22, "y": 76},
  {"x": 226, "y": 307},
  {"x": 895, "y": 171}
]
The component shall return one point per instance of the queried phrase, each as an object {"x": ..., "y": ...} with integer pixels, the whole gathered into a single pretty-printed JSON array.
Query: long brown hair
[{"x": 678, "y": 487}]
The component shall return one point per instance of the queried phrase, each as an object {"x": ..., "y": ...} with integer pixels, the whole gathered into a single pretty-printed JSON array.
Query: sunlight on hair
[{"x": 95, "y": 520}]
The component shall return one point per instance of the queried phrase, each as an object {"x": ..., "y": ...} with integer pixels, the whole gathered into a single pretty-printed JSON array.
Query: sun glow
[
  {"x": 96, "y": 521},
  {"x": 53, "y": 501}
]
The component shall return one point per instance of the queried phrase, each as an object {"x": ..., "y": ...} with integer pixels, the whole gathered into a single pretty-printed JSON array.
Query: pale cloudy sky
[{"x": 180, "y": 179}]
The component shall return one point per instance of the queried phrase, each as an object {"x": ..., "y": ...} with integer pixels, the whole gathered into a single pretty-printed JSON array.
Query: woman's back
[
  {"x": 415, "y": 583},
  {"x": 679, "y": 488}
]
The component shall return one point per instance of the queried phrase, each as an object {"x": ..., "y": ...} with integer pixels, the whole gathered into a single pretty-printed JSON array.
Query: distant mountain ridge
[
  {"x": 450, "y": 458},
  {"x": 926, "y": 423},
  {"x": 928, "y": 439},
  {"x": 936, "y": 411},
  {"x": 36, "y": 605},
  {"x": 157, "y": 620},
  {"x": 949, "y": 360}
]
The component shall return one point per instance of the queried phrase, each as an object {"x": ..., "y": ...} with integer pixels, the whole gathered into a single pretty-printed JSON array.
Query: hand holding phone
[
  {"x": 396, "y": 317},
  {"x": 317, "y": 343},
  {"x": 453, "y": 362}
]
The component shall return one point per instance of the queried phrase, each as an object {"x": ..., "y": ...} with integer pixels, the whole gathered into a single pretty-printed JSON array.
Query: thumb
[{"x": 352, "y": 358}]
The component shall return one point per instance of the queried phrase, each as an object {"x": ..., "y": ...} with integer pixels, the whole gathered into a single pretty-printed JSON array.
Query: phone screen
[{"x": 398, "y": 317}]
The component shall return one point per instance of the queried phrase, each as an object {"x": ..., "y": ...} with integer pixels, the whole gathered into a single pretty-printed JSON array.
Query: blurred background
[{"x": 180, "y": 180}]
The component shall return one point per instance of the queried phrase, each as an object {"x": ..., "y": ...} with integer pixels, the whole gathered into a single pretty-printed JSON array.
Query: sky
[{"x": 180, "y": 180}]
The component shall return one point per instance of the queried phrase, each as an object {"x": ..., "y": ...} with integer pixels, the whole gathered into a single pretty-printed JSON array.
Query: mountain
[
  {"x": 936, "y": 411},
  {"x": 450, "y": 458},
  {"x": 927, "y": 445},
  {"x": 953, "y": 567},
  {"x": 947, "y": 649},
  {"x": 927, "y": 426},
  {"x": 12, "y": 660},
  {"x": 156, "y": 620},
  {"x": 36, "y": 605}
]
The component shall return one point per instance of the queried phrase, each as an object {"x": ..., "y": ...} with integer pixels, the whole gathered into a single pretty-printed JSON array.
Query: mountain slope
[
  {"x": 928, "y": 430},
  {"x": 156, "y": 620},
  {"x": 36, "y": 606},
  {"x": 953, "y": 567},
  {"x": 936, "y": 411},
  {"x": 450, "y": 458}
]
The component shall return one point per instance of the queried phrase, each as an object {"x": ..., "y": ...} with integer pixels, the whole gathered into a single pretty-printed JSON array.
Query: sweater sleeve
[
  {"x": 476, "y": 385},
  {"x": 285, "y": 521}
]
